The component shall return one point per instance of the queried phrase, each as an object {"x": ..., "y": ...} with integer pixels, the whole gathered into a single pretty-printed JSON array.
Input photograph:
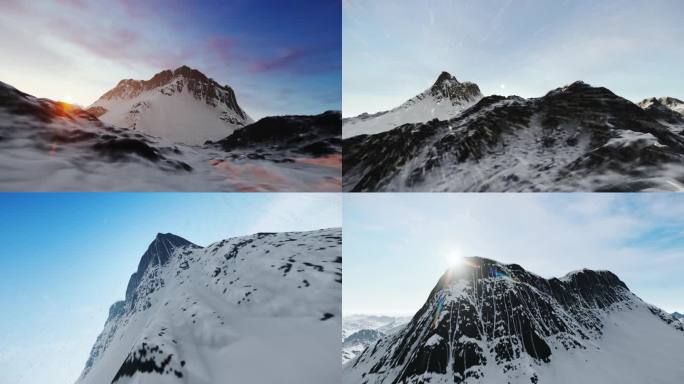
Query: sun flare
[{"x": 455, "y": 258}]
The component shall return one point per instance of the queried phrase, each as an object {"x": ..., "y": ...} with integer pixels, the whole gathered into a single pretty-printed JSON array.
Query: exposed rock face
[
  {"x": 445, "y": 99},
  {"x": 448, "y": 87},
  {"x": 575, "y": 138},
  {"x": 54, "y": 146},
  {"x": 667, "y": 102},
  {"x": 314, "y": 135},
  {"x": 201, "y": 87},
  {"x": 487, "y": 321},
  {"x": 182, "y": 105}
]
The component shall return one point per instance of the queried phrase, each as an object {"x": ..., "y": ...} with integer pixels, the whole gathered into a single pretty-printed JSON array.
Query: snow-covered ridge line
[
  {"x": 182, "y": 105},
  {"x": 445, "y": 99},
  {"x": 200, "y": 314},
  {"x": 486, "y": 321},
  {"x": 574, "y": 138}
]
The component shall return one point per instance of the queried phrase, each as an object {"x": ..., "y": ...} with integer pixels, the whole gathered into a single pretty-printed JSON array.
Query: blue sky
[
  {"x": 396, "y": 246},
  {"x": 281, "y": 57},
  {"x": 392, "y": 50},
  {"x": 67, "y": 257}
]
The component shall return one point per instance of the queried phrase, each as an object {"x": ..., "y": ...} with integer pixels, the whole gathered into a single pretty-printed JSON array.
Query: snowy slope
[
  {"x": 255, "y": 309},
  {"x": 47, "y": 145},
  {"x": 445, "y": 99},
  {"x": 575, "y": 138},
  {"x": 182, "y": 105},
  {"x": 487, "y": 322}
]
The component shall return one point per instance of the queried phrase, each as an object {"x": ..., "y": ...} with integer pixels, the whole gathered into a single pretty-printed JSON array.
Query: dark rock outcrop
[{"x": 574, "y": 138}]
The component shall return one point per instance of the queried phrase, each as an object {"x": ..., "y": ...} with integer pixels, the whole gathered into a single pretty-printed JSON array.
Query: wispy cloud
[
  {"x": 548, "y": 235},
  {"x": 244, "y": 44}
]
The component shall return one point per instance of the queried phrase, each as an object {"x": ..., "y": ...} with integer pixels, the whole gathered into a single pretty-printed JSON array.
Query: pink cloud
[
  {"x": 74, "y": 3},
  {"x": 284, "y": 59}
]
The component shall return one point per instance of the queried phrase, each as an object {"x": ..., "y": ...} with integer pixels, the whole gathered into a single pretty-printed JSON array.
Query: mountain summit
[
  {"x": 448, "y": 87},
  {"x": 446, "y": 98},
  {"x": 489, "y": 322},
  {"x": 574, "y": 138},
  {"x": 182, "y": 105},
  {"x": 263, "y": 308}
]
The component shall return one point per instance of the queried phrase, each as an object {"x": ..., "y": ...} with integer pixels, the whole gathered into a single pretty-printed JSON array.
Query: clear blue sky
[
  {"x": 67, "y": 257},
  {"x": 281, "y": 57},
  {"x": 393, "y": 50},
  {"x": 396, "y": 246}
]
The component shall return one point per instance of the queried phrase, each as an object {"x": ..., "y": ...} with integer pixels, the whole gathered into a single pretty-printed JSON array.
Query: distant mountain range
[
  {"x": 575, "y": 138},
  {"x": 230, "y": 310},
  {"x": 488, "y": 322},
  {"x": 360, "y": 331}
]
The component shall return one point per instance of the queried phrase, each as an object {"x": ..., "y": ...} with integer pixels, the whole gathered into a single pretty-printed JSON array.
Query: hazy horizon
[{"x": 523, "y": 47}]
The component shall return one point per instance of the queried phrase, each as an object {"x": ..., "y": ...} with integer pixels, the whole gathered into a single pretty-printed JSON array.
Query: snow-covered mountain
[
  {"x": 668, "y": 102},
  {"x": 487, "y": 322},
  {"x": 575, "y": 138},
  {"x": 53, "y": 146},
  {"x": 446, "y": 98},
  {"x": 678, "y": 316},
  {"x": 383, "y": 323},
  {"x": 255, "y": 309},
  {"x": 182, "y": 105},
  {"x": 360, "y": 331}
]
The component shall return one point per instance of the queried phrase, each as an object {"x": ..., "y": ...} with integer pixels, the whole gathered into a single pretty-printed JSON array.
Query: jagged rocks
[
  {"x": 485, "y": 321},
  {"x": 182, "y": 105},
  {"x": 446, "y": 98},
  {"x": 575, "y": 138}
]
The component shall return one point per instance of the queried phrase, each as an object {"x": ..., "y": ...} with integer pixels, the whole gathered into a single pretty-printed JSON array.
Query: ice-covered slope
[
  {"x": 445, "y": 99},
  {"x": 182, "y": 105},
  {"x": 575, "y": 138},
  {"x": 47, "y": 145},
  {"x": 487, "y": 322},
  {"x": 256, "y": 309}
]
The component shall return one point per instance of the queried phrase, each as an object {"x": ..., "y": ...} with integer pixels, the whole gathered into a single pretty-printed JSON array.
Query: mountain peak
[
  {"x": 443, "y": 77},
  {"x": 158, "y": 252},
  {"x": 152, "y": 106},
  {"x": 498, "y": 320}
]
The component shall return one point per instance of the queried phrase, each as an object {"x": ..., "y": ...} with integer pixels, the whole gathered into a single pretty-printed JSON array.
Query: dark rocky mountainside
[
  {"x": 315, "y": 135},
  {"x": 492, "y": 322},
  {"x": 575, "y": 138},
  {"x": 50, "y": 145}
]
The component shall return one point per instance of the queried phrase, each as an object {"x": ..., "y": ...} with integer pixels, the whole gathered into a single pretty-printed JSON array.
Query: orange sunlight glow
[{"x": 331, "y": 161}]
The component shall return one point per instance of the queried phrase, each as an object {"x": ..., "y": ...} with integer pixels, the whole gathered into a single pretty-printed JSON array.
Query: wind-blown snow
[{"x": 51, "y": 146}]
